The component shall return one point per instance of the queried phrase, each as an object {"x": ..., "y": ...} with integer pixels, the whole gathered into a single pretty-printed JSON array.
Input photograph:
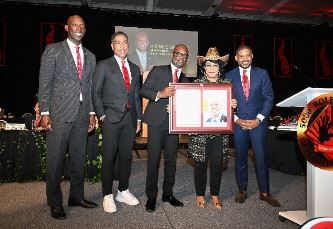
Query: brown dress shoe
[
  {"x": 269, "y": 199},
  {"x": 240, "y": 197}
]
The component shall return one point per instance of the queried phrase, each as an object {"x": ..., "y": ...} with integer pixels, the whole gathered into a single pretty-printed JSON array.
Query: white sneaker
[
  {"x": 108, "y": 204},
  {"x": 127, "y": 197}
]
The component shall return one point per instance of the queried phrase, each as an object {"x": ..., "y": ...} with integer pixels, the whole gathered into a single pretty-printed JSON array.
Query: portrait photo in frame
[
  {"x": 324, "y": 59},
  {"x": 51, "y": 33},
  {"x": 2, "y": 43},
  {"x": 242, "y": 40},
  {"x": 201, "y": 108},
  {"x": 283, "y": 57}
]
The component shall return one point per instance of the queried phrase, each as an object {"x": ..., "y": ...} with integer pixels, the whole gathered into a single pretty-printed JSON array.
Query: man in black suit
[
  {"x": 116, "y": 98},
  {"x": 67, "y": 113},
  {"x": 157, "y": 90}
]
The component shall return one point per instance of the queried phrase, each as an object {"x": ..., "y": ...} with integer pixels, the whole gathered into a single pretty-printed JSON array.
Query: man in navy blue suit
[{"x": 254, "y": 94}]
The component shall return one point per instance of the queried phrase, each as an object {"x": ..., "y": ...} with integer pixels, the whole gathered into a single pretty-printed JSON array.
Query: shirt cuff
[
  {"x": 260, "y": 117},
  {"x": 157, "y": 98},
  {"x": 45, "y": 113},
  {"x": 102, "y": 118}
]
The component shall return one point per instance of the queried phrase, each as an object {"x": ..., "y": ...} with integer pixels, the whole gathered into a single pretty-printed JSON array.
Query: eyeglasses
[{"x": 182, "y": 55}]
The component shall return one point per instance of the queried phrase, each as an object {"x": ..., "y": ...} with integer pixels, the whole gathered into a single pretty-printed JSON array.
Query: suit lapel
[
  {"x": 85, "y": 62},
  {"x": 71, "y": 61},
  {"x": 133, "y": 75},
  {"x": 253, "y": 81},
  {"x": 170, "y": 73}
]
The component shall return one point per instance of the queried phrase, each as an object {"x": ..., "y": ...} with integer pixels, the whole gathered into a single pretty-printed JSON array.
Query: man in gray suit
[
  {"x": 157, "y": 90},
  {"x": 67, "y": 113},
  {"x": 115, "y": 93}
]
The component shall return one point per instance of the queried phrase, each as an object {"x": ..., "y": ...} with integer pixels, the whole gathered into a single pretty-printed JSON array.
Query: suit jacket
[
  {"x": 109, "y": 93},
  {"x": 261, "y": 96},
  {"x": 158, "y": 78},
  {"x": 150, "y": 62},
  {"x": 59, "y": 85}
]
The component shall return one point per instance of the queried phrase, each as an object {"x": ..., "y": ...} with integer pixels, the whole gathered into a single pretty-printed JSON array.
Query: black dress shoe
[
  {"x": 83, "y": 203},
  {"x": 150, "y": 205},
  {"x": 172, "y": 200},
  {"x": 58, "y": 212}
]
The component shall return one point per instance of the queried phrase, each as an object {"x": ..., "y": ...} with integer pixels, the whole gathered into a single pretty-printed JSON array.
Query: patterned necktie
[
  {"x": 126, "y": 75},
  {"x": 175, "y": 76},
  {"x": 78, "y": 62},
  {"x": 246, "y": 86}
]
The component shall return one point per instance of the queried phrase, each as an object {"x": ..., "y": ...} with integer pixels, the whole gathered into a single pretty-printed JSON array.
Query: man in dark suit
[
  {"x": 116, "y": 98},
  {"x": 157, "y": 90},
  {"x": 254, "y": 94},
  {"x": 67, "y": 113},
  {"x": 142, "y": 56}
]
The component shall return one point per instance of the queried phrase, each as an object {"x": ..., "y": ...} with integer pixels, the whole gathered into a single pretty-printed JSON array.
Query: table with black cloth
[
  {"x": 19, "y": 160},
  {"x": 22, "y": 156},
  {"x": 284, "y": 154}
]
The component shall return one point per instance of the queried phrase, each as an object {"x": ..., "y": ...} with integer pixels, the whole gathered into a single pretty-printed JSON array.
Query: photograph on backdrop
[{"x": 157, "y": 45}]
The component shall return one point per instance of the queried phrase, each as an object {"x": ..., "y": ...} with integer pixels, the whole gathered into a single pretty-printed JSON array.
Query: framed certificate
[{"x": 201, "y": 108}]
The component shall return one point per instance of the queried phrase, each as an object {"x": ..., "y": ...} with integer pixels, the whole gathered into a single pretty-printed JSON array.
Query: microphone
[{"x": 306, "y": 76}]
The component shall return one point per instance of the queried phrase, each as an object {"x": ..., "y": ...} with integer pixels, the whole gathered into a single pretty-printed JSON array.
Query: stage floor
[{"x": 23, "y": 205}]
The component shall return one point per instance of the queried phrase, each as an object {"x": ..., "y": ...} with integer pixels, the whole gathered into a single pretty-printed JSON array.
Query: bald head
[
  {"x": 141, "y": 41},
  {"x": 75, "y": 28},
  {"x": 73, "y": 18},
  {"x": 179, "y": 55}
]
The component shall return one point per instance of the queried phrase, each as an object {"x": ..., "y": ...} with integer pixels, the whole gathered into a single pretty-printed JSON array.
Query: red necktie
[
  {"x": 78, "y": 62},
  {"x": 246, "y": 86},
  {"x": 126, "y": 75},
  {"x": 175, "y": 76}
]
